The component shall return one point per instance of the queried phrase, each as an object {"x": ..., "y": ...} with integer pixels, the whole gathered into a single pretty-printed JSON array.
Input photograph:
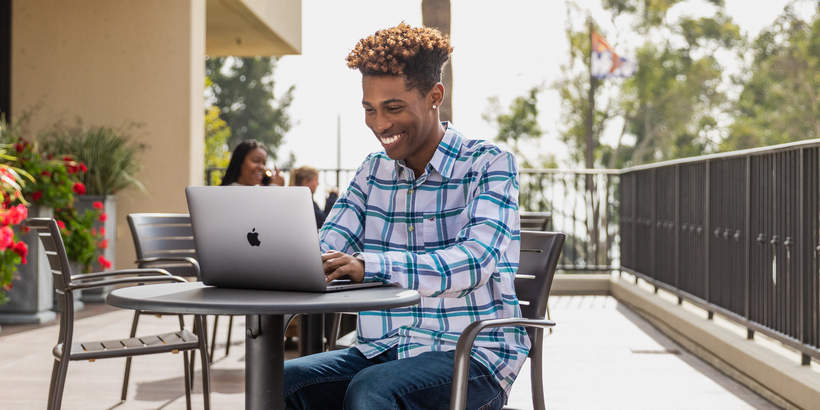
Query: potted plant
[{"x": 109, "y": 160}]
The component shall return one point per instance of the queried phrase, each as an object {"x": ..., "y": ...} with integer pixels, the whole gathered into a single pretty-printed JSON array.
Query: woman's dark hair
[{"x": 237, "y": 158}]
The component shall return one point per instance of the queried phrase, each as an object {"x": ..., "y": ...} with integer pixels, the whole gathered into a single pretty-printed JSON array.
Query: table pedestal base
[{"x": 264, "y": 348}]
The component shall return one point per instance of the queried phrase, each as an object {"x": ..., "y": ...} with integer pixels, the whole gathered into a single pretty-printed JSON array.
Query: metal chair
[
  {"x": 67, "y": 349},
  {"x": 535, "y": 221},
  {"x": 166, "y": 240},
  {"x": 539, "y": 256}
]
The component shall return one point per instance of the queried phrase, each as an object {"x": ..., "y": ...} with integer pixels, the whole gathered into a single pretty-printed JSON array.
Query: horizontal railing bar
[{"x": 724, "y": 155}]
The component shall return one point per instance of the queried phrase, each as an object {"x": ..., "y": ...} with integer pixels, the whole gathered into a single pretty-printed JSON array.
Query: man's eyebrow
[{"x": 385, "y": 102}]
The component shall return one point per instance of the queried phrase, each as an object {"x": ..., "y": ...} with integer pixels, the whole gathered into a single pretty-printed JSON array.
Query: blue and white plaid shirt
[{"x": 452, "y": 235}]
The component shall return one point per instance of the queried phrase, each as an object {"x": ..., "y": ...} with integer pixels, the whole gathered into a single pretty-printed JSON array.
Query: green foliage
[
  {"x": 780, "y": 101},
  {"x": 519, "y": 124},
  {"x": 217, "y": 133},
  {"x": 110, "y": 154},
  {"x": 670, "y": 107},
  {"x": 242, "y": 89},
  {"x": 82, "y": 242}
]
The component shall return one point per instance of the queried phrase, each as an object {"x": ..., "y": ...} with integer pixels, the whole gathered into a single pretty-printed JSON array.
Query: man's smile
[{"x": 389, "y": 140}]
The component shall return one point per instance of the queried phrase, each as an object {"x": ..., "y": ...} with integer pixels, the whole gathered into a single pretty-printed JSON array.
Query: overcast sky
[{"x": 501, "y": 49}]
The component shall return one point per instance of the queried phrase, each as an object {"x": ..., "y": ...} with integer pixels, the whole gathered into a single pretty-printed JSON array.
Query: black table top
[{"x": 197, "y": 298}]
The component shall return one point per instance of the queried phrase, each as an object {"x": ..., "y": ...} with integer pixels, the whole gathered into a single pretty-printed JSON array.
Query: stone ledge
[
  {"x": 784, "y": 382},
  {"x": 581, "y": 284}
]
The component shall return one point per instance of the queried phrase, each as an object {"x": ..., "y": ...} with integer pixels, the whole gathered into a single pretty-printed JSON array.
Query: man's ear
[{"x": 436, "y": 95}]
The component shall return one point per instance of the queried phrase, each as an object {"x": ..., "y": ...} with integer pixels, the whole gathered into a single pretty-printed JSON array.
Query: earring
[{"x": 434, "y": 106}]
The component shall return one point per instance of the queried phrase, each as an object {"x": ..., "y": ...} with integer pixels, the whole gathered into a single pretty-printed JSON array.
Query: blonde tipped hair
[{"x": 302, "y": 175}]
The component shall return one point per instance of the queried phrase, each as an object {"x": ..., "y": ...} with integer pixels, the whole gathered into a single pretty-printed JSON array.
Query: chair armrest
[
  {"x": 96, "y": 275},
  {"x": 187, "y": 259},
  {"x": 124, "y": 281},
  {"x": 461, "y": 359}
]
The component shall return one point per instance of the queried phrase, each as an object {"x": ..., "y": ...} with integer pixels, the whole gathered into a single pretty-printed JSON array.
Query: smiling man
[{"x": 434, "y": 212}]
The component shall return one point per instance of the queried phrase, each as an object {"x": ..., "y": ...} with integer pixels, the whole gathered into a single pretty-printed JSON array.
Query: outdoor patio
[{"x": 601, "y": 355}]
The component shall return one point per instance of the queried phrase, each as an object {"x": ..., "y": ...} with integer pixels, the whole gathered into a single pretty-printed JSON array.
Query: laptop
[{"x": 259, "y": 238}]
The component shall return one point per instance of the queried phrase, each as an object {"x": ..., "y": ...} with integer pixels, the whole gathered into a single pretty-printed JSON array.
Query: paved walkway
[{"x": 601, "y": 356}]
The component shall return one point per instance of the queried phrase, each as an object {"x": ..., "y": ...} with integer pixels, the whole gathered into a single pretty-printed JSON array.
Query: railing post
[
  {"x": 799, "y": 251},
  {"x": 747, "y": 244},
  {"x": 677, "y": 200},
  {"x": 707, "y": 229}
]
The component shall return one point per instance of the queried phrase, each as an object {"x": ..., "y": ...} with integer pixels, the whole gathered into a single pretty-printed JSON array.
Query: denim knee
[{"x": 369, "y": 390}]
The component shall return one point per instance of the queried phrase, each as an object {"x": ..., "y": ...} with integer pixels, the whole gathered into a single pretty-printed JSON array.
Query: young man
[{"x": 435, "y": 212}]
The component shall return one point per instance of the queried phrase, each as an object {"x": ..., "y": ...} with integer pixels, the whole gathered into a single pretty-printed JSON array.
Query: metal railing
[{"x": 736, "y": 233}]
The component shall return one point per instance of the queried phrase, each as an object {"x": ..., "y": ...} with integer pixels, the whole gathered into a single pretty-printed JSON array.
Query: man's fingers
[
  {"x": 330, "y": 255},
  {"x": 336, "y": 274}
]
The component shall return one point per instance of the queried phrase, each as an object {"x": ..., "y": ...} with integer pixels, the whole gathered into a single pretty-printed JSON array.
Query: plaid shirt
[{"x": 452, "y": 235}]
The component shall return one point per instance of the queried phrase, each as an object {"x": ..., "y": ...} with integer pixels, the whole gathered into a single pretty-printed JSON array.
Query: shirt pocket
[{"x": 441, "y": 227}]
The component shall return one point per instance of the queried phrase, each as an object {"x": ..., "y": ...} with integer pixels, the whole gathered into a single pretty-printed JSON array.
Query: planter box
[
  {"x": 110, "y": 208},
  {"x": 31, "y": 298}
]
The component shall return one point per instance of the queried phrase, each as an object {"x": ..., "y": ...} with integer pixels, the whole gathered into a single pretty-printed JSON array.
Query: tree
[
  {"x": 242, "y": 90},
  {"x": 780, "y": 101},
  {"x": 436, "y": 14},
  {"x": 217, "y": 154}
]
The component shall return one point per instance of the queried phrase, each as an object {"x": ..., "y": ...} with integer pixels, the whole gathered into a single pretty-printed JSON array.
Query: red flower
[
  {"x": 103, "y": 217},
  {"x": 103, "y": 244},
  {"x": 97, "y": 205},
  {"x": 6, "y": 237},
  {"x": 25, "y": 229},
  {"x": 105, "y": 263},
  {"x": 36, "y": 196},
  {"x": 83, "y": 168},
  {"x": 18, "y": 147},
  {"x": 71, "y": 169},
  {"x": 21, "y": 249},
  {"x": 61, "y": 224},
  {"x": 102, "y": 231},
  {"x": 68, "y": 158},
  {"x": 50, "y": 157},
  {"x": 15, "y": 215},
  {"x": 79, "y": 188},
  {"x": 45, "y": 173}
]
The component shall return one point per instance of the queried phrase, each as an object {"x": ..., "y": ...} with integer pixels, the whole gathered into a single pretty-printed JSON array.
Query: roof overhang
[{"x": 253, "y": 27}]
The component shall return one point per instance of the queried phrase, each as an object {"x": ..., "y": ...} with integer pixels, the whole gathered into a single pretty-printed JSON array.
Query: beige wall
[
  {"x": 254, "y": 27},
  {"x": 114, "y": 62}
]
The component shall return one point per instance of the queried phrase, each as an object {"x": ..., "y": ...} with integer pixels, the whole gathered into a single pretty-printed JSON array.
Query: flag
[{"x": 606, "y": 62}]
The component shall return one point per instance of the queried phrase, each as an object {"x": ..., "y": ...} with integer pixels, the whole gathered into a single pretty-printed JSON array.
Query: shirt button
[
  {"x": 410, "y": 228},
  {"x": 409, "y": 192}
]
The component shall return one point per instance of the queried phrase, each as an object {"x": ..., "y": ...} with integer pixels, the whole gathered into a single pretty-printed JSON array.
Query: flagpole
[{"x": 590, "y": 151}]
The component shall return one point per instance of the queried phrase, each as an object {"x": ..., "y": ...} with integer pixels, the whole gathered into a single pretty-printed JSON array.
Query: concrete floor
[{"x": 601, "y": 356}]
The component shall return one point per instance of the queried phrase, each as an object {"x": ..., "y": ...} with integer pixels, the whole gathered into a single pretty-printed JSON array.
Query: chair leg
[
  {"x": 57, "y": 383},
  {"x": 53, "y": 385},
  {"x": 213, "y": 339},
  {"x": 206, "y": 368},
  {"x": 537, "y": 378},
  {"x": 334, "y": 332},
  {"x": 228, "y": 341},
  {"x": 187, "y": 380},
  {"x": 127, "y": 374}
]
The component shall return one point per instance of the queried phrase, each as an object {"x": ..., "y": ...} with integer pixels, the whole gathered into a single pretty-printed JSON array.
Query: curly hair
[{"x": 417, "y": 53}]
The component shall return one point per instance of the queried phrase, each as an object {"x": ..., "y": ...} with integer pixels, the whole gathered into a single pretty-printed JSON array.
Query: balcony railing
[{"x": 735, "y": 233}]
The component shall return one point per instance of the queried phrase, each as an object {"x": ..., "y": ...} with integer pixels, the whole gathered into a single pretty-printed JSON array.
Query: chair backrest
[
  {"x": 536, "y": 268},
  {"x": 49, "y": 234},
  {"x": 164, "y": 235},
  {"x": 535, "y": 221}
]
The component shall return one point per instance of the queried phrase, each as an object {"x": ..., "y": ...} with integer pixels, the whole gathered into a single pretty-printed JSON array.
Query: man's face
[{"x": 402, "y": 119}]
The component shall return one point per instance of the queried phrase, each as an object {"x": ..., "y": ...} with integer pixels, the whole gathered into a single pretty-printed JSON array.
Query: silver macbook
[{"x": 259, "y": 238}]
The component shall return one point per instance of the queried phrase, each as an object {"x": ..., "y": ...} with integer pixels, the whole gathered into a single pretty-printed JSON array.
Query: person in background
[
  {"x": 248, "y": 166},
  {"x": 309, "y": 177}
]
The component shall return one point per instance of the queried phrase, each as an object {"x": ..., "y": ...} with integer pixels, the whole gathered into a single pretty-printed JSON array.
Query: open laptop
[{"x": 259, "y": 238}]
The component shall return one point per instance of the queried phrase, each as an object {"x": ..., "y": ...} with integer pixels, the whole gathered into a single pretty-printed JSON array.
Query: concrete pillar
[{"x": 113, "y": 62}]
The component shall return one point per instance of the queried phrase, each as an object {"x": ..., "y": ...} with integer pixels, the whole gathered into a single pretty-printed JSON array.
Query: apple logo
[{"x": 253, "y": 238}]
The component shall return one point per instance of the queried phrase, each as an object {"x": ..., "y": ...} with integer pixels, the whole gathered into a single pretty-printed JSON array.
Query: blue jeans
[{"x": 346, "y": 379}]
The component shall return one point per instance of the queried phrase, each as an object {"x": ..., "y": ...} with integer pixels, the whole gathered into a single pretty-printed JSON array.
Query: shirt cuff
[{"x": 376, "y": 267}]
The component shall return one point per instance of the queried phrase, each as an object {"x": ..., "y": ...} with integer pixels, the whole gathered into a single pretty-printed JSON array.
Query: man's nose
[{"x": 382, "y": 124}]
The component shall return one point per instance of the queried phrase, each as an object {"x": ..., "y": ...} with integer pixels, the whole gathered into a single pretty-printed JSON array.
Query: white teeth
[{"x": 389, "y": 140}]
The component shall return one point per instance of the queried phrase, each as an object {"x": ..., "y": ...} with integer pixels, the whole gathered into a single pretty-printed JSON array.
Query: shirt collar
[{"x": 446, "y": 153}]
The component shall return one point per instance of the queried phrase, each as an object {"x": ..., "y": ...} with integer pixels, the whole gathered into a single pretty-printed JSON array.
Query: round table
[{"x": 265, "y": 310}]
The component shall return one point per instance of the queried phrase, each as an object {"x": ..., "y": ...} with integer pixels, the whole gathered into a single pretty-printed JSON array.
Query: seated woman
[
  {"x": 309, "y": 177},
  {"x": 248, "y": 166}
]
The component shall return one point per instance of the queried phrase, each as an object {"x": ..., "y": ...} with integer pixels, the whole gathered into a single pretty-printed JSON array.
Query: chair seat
[{"x": 166, "y": 342}]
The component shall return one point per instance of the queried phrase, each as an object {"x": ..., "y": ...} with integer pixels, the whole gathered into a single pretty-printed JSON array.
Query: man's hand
[{"x": 337, "y": 265}]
